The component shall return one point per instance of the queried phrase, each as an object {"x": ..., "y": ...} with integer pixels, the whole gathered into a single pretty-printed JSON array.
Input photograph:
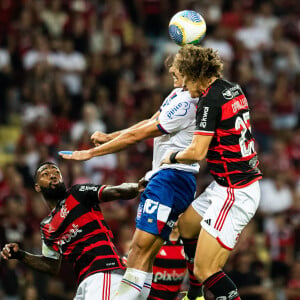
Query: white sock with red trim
[
  {"x": 146, "y": 287},
  {"x": 131, "y": 285}
]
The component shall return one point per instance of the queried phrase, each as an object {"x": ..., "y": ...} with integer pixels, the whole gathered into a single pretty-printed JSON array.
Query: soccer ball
[{"x": 187, "y": 27}]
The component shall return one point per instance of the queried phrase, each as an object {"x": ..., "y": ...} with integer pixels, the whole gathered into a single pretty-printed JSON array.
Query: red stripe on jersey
[
  {"x": 228, "y": 173},
  {"x": 231, "y": 148},
  {"x": 237, "y": 185},
  {"x": 198, "y": 132},
  {"x": 79, "y": 222},
  {"x": 99, "y": 258},
  {"x": 205, "y": 92},
  {"x": 91, "y": 246},
  {"x": 58, "y": 218},
  {"x": 170, "y": 288},
  {"x": 232, "y": 107},
  {"x": 171, "y": 252},
  {"x": 228, "y": 160}
]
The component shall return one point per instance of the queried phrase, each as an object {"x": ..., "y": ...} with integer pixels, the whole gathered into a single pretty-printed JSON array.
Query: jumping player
[
  {"x": 170, "y": 190},
  {"x": 75, "y": 229},
  {"x": 223, "y": 136}
]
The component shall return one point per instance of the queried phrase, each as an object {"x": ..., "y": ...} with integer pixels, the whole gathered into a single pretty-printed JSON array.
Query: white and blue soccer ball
[{"x": 187, "y": 27}]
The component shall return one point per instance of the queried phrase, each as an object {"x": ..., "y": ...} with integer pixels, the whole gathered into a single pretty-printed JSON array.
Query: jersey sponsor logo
[
  {"x": 203, "y": 121},
  {"x": 179, "y": 110},
  {"x": 85, "y": 188},
  {"x": 71, "y": 234},
  {"x": 232, "y": 92},
  {"x": 165, "y": 276},
  {"x": 64, "y": 211},
  {"x": 150, "y": 206},
  {"x": 233, "y": 294}
]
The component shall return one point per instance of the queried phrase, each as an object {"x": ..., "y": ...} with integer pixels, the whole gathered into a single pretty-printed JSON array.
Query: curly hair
[{"x": 198, "y": 63}]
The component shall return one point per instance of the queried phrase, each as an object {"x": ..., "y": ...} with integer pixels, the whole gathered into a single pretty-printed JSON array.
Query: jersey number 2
[{"x": 246, "y": 149}]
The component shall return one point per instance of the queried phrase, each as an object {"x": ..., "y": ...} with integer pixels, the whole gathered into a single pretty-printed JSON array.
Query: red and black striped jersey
[
  {"x": 76, "y": 229},
  {"x": 223, "y": 112},
  {"x": 168, "y": 271}
]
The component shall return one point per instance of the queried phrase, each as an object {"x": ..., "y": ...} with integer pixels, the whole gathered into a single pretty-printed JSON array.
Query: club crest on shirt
[{"x": 64, "y": 211}]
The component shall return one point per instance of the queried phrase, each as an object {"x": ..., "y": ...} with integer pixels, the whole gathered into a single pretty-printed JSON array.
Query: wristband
[
  {"x": 173, "y": 157},
  {"x": 17, "y": 255}
]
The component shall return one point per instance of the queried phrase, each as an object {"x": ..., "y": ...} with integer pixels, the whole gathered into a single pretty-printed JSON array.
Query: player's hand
[
  {"x": 166, "y": 160},
  {"x": 8, "y": 250},
  {"x": 99, "y": 138},
  {"x": 77, "y": 155},
  {"x": 142, "y": 184}
]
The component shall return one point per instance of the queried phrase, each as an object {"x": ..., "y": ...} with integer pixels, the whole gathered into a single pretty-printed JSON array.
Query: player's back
[{"x": 223, "y": 112}]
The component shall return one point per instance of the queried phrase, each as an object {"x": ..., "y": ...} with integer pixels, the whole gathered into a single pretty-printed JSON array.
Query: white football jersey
[{"x": 177, "y": 120}]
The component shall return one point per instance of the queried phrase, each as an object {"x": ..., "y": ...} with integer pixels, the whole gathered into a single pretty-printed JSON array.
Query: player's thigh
[
  {"x": 189, "y": 223},
  {"x": 99, "y": 286},
  {"x": 210, "y": 256},
  {"x": 143, "y": 249}
]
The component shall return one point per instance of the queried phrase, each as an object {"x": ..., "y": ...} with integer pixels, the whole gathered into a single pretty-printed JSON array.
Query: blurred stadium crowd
[{"x": 70, "y": 67}]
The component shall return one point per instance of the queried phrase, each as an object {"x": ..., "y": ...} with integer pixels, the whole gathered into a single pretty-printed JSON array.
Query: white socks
[
  {"x": 135, "y": 285},
  {"x": 146, "y": 287}
]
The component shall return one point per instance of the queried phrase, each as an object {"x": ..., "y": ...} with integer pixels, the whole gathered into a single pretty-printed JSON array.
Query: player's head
[
  {"x": 198, "y": 66},
  {"x": 177, "y": 77},
  {"x": 48, "y": 181}
]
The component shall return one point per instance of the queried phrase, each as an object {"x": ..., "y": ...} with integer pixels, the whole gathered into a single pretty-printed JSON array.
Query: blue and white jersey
[{"x": 177, "y": 120}]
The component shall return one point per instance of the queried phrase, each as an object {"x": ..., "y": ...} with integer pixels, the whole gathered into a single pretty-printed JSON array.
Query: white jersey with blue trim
[{"x": 177, "y": 120}]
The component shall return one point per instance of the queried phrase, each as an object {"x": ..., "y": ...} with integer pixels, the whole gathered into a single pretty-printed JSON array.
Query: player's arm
[
  {"x": 196, "y": 151},
  {"x": 123, "y": 191},
  {"x": 37, "y": 262},
  {"x": 99, "y": 138},
  {"x": 124, "y": 140}
]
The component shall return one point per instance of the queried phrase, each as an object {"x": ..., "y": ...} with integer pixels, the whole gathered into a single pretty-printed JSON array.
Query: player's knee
[
  {"x": 203, "y": 270},
  {"x": 185, "y": 230}
]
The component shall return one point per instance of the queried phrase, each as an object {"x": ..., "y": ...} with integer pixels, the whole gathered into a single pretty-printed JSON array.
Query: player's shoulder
[
  {"x": 221, "y": 91},
  {"x": 225, "y": 89},
  {"x": 179, "y": 94},
  {"x": 85, "y": 187}
]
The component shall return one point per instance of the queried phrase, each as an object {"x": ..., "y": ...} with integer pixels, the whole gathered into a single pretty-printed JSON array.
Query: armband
[
  {"x": 173, "y": 157},
  {"x": 17, "y": 255}
]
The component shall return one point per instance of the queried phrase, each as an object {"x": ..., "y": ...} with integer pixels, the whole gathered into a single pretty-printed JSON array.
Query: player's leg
[
  {"x": 136, "y": 282},
  {"x": 189, "y": 228},
  {"x": 230, "y": 211},
  {"x": 167, "y": 195},
  {"x": 209, "y": 261}
]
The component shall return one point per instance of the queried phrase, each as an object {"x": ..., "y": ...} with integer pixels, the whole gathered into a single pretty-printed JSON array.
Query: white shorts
[
  {"x": 226, "y": 211},
  {"x": 99, "y": 286}
]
